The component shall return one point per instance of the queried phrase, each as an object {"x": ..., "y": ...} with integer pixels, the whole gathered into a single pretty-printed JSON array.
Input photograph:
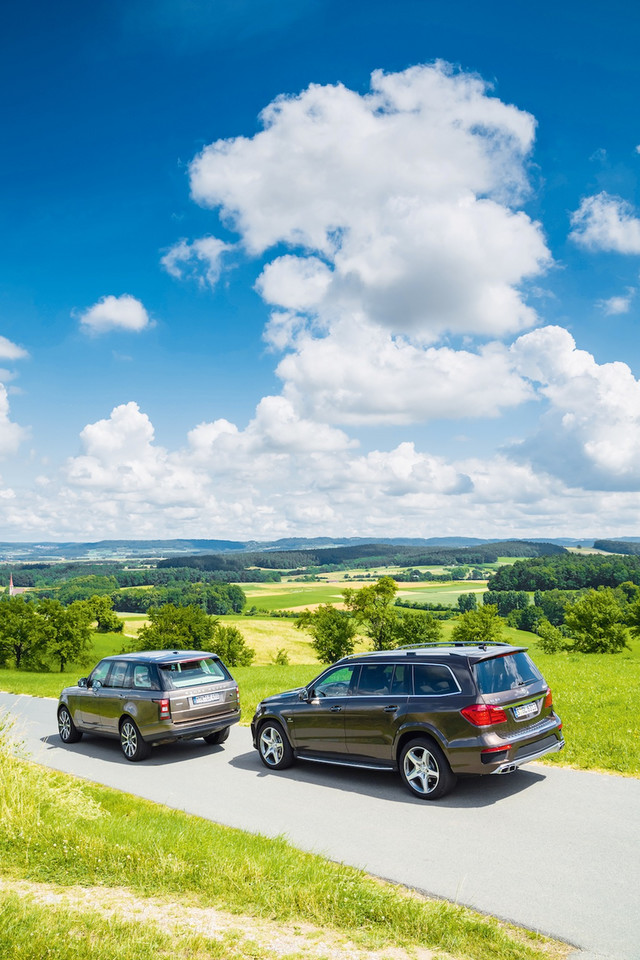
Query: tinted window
[
  {"x": 375, "y": 680},
  {"x": 335, "y": 683},
  {"x": 432, "y": 680},
  {"x": 401, "y": 680},
  {"x": 505, "y": 673},
  {"x": 100, "y": 672},
  {"x": 144, "y": 677},
  {"x": 191, "y": 673},
  {"x": 119, "y": 675}
]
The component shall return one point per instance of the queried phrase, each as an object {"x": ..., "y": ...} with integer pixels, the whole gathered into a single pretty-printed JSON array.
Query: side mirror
[
  {"x": 82, "y": 682},
  {"x": 305, "y": 695}
]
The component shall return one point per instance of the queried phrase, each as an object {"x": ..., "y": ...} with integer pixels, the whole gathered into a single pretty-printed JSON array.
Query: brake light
[
  {"x": 548, "y": 700},
  {"x": 164, "y": 709},
  {"x": 483, "y": 714}
]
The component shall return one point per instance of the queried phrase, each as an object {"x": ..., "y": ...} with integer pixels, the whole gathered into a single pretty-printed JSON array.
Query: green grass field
[
  {"x": 58, "y": 832},
  {"x": 593, "y": 693}
]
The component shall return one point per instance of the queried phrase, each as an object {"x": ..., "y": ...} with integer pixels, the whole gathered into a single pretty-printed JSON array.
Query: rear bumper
[
  {"x": 511, "y": 765},
  {"x": 190, "y": 731}
]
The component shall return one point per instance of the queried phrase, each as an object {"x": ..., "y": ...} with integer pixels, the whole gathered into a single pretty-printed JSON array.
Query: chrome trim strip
[
  {"x": 345, "y": 763},
  {"x": 511, "y": 765}
]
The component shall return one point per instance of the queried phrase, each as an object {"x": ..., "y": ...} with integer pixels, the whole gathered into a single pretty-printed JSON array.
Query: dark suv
[
  {"x": 152, "y": 697},
  {"x": 430, "y": 711}
]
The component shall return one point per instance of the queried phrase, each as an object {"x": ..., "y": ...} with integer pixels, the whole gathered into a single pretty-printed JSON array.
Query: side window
[
  {"x": 336, "y": 683},
  {"x": 375, "y": 680},
  {"x": 401, "y": 680},
  {"x": 100, "y": 671},
  {"x": 433, "y": 679},
  {"x": 119, "y": 675},
  {"x": 143, "y": 677}
]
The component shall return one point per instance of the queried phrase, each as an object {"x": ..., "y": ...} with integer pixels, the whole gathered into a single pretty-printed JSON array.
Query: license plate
[
  {"x": 206, "y": 698},
  {"x": 525, "y": 710}
]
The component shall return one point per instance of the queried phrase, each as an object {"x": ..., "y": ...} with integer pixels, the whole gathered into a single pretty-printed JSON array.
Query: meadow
[
  {"x": 86, "y": 870},
  {"x": 593, "y": 693}
]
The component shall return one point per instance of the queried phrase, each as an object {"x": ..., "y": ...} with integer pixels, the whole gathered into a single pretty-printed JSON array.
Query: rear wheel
[
  {"x": 218, "y": 737},
  {"x": 67, "y": 729},
  {"x": 425, "y": 769},
  {"x": 273, "y": 746},
  {"x": 133, "y": 746}
]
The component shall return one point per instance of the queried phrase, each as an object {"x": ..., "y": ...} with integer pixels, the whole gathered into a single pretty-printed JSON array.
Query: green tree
[
  {"x": 595, "y": 623},
  {"x": 414, "y": 627},
  {"x": 22, "y": 634},
  {"x": 372, "y": 607},
  {"x": 101, "y": 610},
  {"x": 550, "y": 638},
  {"x": 478, "y": 626},
  {"x": 467, "y": 601},
  {"x": 67, "y": 631},
  {"x": 333, "y": 631},
  {"x": 230, "y": 646},
  {"x": 176, "y": 628}
]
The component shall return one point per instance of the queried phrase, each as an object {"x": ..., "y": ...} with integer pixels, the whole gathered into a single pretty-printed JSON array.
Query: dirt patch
[{"x": 303, "y": 939}]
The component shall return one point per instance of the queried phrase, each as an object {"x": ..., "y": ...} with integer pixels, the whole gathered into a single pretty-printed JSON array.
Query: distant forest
[
  {"x": 568, "y": 572},
  {"x": 364, "y": 555},
  {"x": 618, "y": 546}
]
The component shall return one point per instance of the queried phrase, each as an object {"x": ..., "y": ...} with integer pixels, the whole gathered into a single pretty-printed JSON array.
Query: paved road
[{"x": 551, "y": 849}]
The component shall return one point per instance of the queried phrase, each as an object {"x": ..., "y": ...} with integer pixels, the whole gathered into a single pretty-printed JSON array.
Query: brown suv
[
  {"x": 153, "y": 697},
  {"x": 430, "y": 712}
]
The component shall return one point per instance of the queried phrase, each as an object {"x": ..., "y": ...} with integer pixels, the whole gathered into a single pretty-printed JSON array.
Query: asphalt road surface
[{"x": 551, "y": 849}]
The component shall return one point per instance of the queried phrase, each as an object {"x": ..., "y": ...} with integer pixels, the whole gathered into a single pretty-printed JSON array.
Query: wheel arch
[{"x": 419, "y": 732}]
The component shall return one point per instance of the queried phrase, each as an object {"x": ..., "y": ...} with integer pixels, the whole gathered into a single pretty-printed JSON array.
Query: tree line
[
  {"x": 567, "y": 572},
  {"x": 45, "y": 635}
]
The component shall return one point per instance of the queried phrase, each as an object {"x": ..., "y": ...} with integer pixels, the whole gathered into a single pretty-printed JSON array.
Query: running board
[{"x": 346, "y": 763}]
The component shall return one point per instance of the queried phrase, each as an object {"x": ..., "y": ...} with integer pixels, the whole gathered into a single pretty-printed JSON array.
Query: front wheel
[
  {"x": 273, "y": 747},
  {"x": 67, "y": 729},
  {"x": 133, "y": 746},
  {"x": 425, "y": 770},
  {"x": 218, "y": 737}
]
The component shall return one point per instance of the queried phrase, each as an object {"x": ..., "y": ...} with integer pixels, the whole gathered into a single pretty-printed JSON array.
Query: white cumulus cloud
[
  {"x": 608, "y": 223},
  {"x": 400, "y": 204},
  {"x": 590, "y": 436},
  {"x": 11, "y": 351},
  {"x": 614, "y": 306},
  {"x": 200, "y": 260},
  {"x": 115, "y": 313}
]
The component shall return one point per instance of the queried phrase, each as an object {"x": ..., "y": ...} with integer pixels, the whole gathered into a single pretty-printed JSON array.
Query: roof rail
[{"x": 483, "y": 644}]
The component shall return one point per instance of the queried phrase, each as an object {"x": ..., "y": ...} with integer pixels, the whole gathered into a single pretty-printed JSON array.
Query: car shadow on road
[
  {"x": 109, "y": 751},
  {"x": 469, "y": 792}
]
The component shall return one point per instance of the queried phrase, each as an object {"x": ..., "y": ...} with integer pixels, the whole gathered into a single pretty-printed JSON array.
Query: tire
[
  {"x": 218, "y": 737},
  {"x": 67, "y": 729},
  {"x": 425, "y": 770},
  {"x": 273, "y": 746},
  {"x": 133, "y": 746}
]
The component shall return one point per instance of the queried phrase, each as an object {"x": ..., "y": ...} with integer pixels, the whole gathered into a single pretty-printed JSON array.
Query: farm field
[
  {"x": 291, "y": 595},
  {"x": 593, "y": 693}
]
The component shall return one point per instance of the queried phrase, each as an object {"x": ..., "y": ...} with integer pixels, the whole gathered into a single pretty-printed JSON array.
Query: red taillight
[
  {"x": 484, "y": 715},
  {"x": 164, "y": 709},
  {"x": 548, "y": 700}
]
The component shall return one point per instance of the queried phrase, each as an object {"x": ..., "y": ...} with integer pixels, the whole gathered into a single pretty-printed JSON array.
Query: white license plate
[
  {"x": 206, "y": 698},
  {"x": 525, "y": 710}
]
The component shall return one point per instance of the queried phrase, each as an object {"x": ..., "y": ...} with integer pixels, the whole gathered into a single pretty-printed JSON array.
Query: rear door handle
[
  {"x": 335, "y": 709},
  {"x": 391, "y": 709}
]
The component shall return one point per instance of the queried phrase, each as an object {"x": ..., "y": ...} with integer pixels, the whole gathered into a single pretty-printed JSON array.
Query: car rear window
[
  {"x": 505, "y": 673},
  {"x": 192, "y": 673}
]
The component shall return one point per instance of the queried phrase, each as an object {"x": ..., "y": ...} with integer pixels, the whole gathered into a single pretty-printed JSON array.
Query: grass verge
[{"x": 57, "y": 829}]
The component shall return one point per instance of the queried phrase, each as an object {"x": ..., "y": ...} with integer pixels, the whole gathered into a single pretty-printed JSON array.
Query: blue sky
[{"x": 314, "y": 268}]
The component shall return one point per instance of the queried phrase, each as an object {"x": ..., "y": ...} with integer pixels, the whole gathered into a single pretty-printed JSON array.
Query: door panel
[{"x": 317, "y": 726}]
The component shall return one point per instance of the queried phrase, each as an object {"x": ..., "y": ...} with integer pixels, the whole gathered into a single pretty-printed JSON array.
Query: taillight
[
  {"x": 164, "y": 709},
  {"x": 484, "y": 715},
  {"x": 548, "y": 700}
]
